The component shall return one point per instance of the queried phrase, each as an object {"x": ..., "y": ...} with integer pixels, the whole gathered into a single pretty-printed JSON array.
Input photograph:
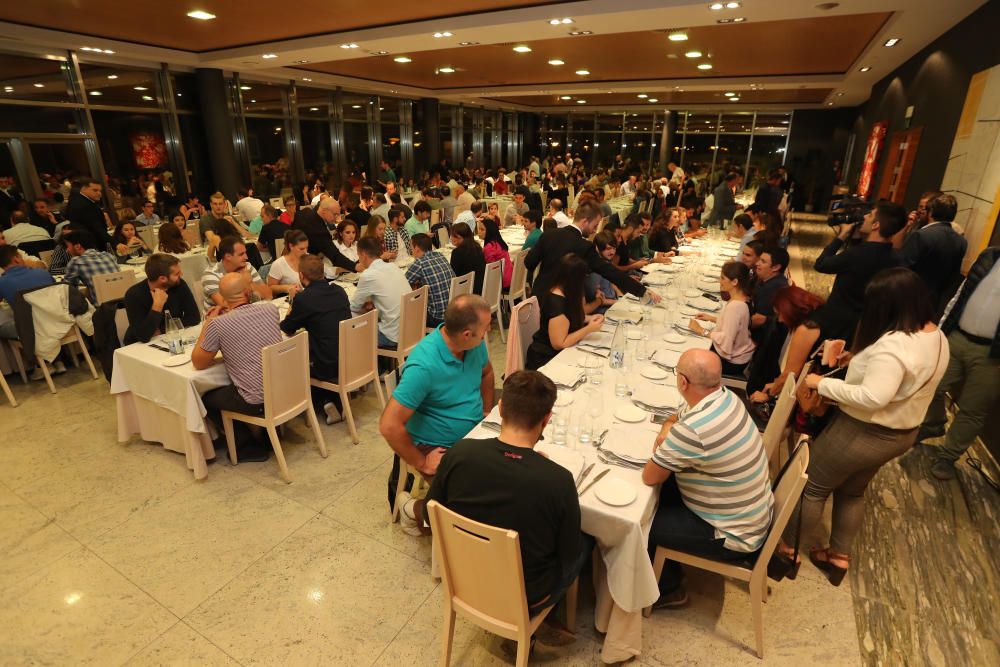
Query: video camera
[{"x": 848, "y": 211}]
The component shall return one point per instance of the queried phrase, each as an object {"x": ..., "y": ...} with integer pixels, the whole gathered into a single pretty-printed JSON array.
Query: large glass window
[
  {"x": 469, "y": 158},
  {"x": 314, "y": 125},
  {"x": 355, "y": 110},
  {"x": 112, "y": 85},
  {"x": 391, "y": 134},
  {"x": 31, "y": 78},
  {"x": 769, "y": 138},
  {"x": 22, "y": 118},
  {"x": 637, "y": 143},
  {"x": 446, "y": 117},
  {"x": 134, "y": 151},
  {"x": 579, "y": 135}
]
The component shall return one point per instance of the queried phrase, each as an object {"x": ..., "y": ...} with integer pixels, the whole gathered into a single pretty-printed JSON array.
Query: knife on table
[
  {"x": 594, "y": 481},
  {"x": 583, "y": 473}
]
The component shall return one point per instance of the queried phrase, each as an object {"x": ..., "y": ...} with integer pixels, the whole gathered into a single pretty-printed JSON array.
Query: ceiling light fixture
[
  {"x": 566, "y": 97},
  {"x": 269, "y": 56},
  {"x": 892, "y": 42},
  {"x": 732, "y": 5},
  {"x": 112, "y": 76},
  {"x": 734, "y": 99},
  {"x": 381, "y": 53},
  {"x": 439, "y": 35},
  {"x": 693, "y": 54},
  {"x": 402, "y": 59},
  {"x": 577, "y": 33},
  {"x": 642, "y": 96},
  {"x": 581, "y": 101},
  {"x": 716, "y": 6},
  {"x": 147, "y": 98},
  {"x": 583, "y": 72},
  {"x": 241, "y": 88},
  {"x": 352, "y": 45},
  {"x": 96, "y": 93},
  {"x": 313, "y": 108},
  {"x": 305, "y": 78},
  {"x": 739, "y": 19},
  {"x": 201, "y": 15},
  {"x": 253, "y": 101},
  {"x": 522, "y": 48},
  {"x": 840, "y": 94},
  {"x": 39, "y": 85},
  {"x": 560, "y": 21},
  {"x": 301, "y": 62},
  {"x": 556, "y": 62},
  {"x": 145, "y": 88},
  {"x": 447, "y": 69},
  {"x": 355, "y": 106},
  {"x": 677, "y": 37},
  {"x": 705, "y": 66},
  {"x": 653, "y": 99},
  {"x": 468, "y": 43},
  {"x": 729, "y": 94},
  {"x": 866, "y": 68},
  {"x": 829, "y": 104}
]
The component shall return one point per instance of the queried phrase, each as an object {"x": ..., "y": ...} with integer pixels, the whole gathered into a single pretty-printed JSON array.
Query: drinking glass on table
[
  {"x": 585, "y": 429},
  {"x": 559, "y": 428},
  {"x": 594, "y": 368}
]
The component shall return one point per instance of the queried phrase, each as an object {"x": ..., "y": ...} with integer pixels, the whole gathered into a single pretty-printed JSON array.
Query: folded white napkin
[
  {"x": 666, "y": 357},
  {"x": 562, "y": 374},
  {"x": 599, "y": 339},
  {"x": 657, "y": 395},
  {"x": 625, "y": 442},
  {"x": 701, "y": 303}
]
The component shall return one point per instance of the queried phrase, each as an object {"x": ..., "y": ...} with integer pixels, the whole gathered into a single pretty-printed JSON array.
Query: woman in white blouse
[
  {"x": 898, "y": 357},
  {"x": 731, "y": 336},
  {"x": 347, "y": 239},
  {"x": 283, "y": 277}
]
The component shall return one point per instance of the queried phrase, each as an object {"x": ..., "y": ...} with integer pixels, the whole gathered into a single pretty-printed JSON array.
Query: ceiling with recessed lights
[{"x": 511, "y": 53}]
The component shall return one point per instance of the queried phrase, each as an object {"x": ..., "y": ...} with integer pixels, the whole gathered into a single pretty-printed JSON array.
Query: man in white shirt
[
  {"x": 381, "y": 286},
  {"x": 463, "y": 198},
  {"x": 629, "y": 187},
  {"x": 23, "y": 231},
  {"x": 557, "y": 214},
  {"x": 248, "y": 206},
  {"x": 534, "y": 167},
  {"x": 29, "y": 260}
]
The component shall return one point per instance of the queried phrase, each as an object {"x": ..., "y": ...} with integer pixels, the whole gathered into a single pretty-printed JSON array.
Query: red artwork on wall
[
  {"x": 872, "y": 151},
  {"x": 149, "y": 150}
]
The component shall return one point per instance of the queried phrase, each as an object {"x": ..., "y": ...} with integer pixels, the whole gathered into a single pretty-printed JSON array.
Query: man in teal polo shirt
[
  {"x": 419, "y": 221},
  {"x": 446, "y": 389}
]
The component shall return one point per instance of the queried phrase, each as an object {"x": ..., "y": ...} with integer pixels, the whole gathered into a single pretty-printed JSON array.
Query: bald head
[
  {"x": 233, "y": 287},
  {"x": 328, "y": 209},
  {"x": 702, "y": 368}
]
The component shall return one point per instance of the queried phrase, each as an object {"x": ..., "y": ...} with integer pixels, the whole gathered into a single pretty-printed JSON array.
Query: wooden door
[{"x": 899, "y": 163}]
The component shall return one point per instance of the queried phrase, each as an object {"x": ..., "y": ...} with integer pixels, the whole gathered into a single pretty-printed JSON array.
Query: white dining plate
[
  {"x": 629, "y": 413},
  {"x": 176, "y": 360},
  {"x": 687, "y": 310},
  {"x": 615, "y": 492},
  {"x": 563, "y": 398},
  {"x": 673, "y": 337},
  {"x": 653, "y": 372}
]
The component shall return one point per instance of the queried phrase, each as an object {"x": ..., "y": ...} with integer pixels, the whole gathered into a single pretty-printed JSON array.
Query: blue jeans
[
  {"x": 568, "y": 577},
  {"x": 384, "y": 342}
]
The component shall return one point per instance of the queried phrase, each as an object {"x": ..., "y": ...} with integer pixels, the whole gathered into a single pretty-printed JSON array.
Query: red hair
[{"x": 795, "y": 305}]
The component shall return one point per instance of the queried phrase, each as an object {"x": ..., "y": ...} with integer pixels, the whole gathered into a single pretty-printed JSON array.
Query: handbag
[{"x": 809, "y": 400}]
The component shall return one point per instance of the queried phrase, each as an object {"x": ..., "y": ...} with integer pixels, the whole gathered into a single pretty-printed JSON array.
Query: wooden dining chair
[
  {"x": 7, "y": 392},
  {"x": 443, "y": 238},
  {"x": 192, "y": 234},
  {"x": 518, "y": 280},
  {"x": 493, "y": 292},
  {"x": 777, "y": 422},
  {"x": 412, "y": 325},
  {"x": 786, "y": 497},
  {"x": 461, "y": 285},
  {"x": 467, "y": 549},
  {"x": 525, "y": 318},
  {"x": 73, "y": 336},
  {"x": 357, "y": 363},
  {"x": 112, "y": 286},
  {"x": 286, "y": 396}
]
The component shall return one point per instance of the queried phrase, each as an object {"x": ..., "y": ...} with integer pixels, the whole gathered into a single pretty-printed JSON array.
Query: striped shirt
[
  {"x": 718, "y": 457},
  {"x": 210, "y": 281},
  {"x": 241, "y": 334}
]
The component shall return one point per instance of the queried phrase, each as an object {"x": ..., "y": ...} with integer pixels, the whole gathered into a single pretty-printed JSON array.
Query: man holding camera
[{"x": 855, "y": 266}]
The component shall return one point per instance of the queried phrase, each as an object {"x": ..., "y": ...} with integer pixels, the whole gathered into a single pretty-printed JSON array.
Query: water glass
[
  {"x": 641, "y": 347},
  {"x": 559, "y": 429},
  {"x": 621, "y": 382},
  {"x": 585, "y": 429}
]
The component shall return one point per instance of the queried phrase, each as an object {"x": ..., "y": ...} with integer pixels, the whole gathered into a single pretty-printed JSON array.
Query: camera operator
[{"x": 855, "y": 266}]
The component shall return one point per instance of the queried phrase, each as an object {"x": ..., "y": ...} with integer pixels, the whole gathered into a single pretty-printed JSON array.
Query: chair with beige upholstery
[
  {"x": 786, "y": 497},
  {"x": 493, "y": 292},
  {"x": 461, "y": 285},
  {"x": 357, "y": 363},
  {"x": 465, "y": 549},
  {"x": 412, "y": 325},
  {"x": 112, "y": 286},
  {"x": 286, "y": 396}
]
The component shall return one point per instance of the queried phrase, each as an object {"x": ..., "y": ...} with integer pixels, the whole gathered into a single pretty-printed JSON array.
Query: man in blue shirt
[
  {"x": 446, "y": 389},
  {"x": 17, "y": 276}
]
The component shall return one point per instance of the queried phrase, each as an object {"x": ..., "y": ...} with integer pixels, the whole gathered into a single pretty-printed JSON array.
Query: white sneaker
[
  {"x": 407, "y": 519},
  {"x": 333, "y": 415},
  {"x": 37, "y": 374},
  {"x": 59, "y": 367}
]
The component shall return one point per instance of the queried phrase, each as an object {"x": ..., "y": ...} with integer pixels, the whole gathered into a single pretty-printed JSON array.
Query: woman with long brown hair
[
  {"x": 172, "y": 240},
  {"x": 731, "y": 336}
]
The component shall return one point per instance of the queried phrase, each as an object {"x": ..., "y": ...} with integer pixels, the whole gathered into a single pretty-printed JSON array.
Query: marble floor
[{"x": 114, "y": 555}]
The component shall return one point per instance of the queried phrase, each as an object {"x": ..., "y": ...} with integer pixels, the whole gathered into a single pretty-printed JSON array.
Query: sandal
[
  {"x": 784, "y": 564},
  {"x": 835, "y": 573}
]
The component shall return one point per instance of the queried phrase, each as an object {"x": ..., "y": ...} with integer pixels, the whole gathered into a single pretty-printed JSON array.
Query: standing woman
[
  {"x": 467, "y": 257},
  {"x": 731, "y": 336},
  {"x": 898, "y": 357},
  {"x": 495, "y": 248},
  {"x": 291, "y": 206},
  {"x": 347, "y": 239},
  {"x": 564, "y": 320},
  {"x": 283, "y": 277}
]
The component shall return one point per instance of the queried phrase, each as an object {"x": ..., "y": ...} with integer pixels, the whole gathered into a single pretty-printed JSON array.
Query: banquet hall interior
[{"x": 777, "y": 405}]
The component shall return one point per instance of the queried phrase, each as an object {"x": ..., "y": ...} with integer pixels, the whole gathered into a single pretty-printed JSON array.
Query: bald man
[
  {"x": 715, "y": 498},
  {"x": 240, "y": 330},
  {"x": 317, "y": 223}
]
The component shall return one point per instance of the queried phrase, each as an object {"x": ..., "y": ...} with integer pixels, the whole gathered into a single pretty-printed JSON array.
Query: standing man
[
  {"x": 725, "y": 200},
  {"x": 386, "y": 175},
  {"x": 163, "y": 290},
  {"x": 769, "y": 195},
  {"x": 935, "y": 251},
  {"x": 972, "y": 322},
  {"x": 84, "y": 209},
  {"x": 446, "y": 389},
  {"x": 316, "y": 223}
]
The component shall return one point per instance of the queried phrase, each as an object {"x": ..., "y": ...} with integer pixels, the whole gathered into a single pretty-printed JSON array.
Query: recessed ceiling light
[
  {"x": 269, "y": 56},
  {"x": 301, "y": 62},
  {"x": 439, "y": 35},
  {"x": 566, "y": 97},
  {"x": 642, "y": 96},
  {"x": 705, "y": 66},
  {"x": 693, "y": 54},
  {"x": 447, "y": 69},
  {"x": 402, "y": 59},
  {"x": 729, "y": 94},
  {"x": 468, "y": 43},
  {"x": 313, "y": 108},
  {"x": 201, "y": 15},
  {"x": 577, "y": 33},
  {"x": 716, "y": 6},
  {"x": 522, "y": 48},
  {"x": 355, "y": 106},
  {"x": 784, "y": 122},
  {"x": 112, "y": 76},
  {"x": 653, "y": 99},
  {"x": 865, "y": 69},
  {"x": 145, "y": 88},
  {"x": 734, "y": 99},
  {"x": 556, "y": 62},
  {"x": 253, "y": 101},
  {"x": 581, "y": 101},
  {"x": 305, "y": 78},
  {"x": 829, "y": 104},
  {"x": 840, "y": 94},
  {"x": 147, "y": 98},
  {"x": 739, "y": 19},
  {"x": 677, "y": 37},
  {"x": 96, "y": 93},
  {"x": 892, "y": 42},
  {"x": 381, "y": 53},
  {"x": 352, "y": 45},
  {"x": 39, "y": 85},
  {"x": 583, "y": 72},
  {"x": 179, "y": 95},
  {"x": 732, "y": 5},
  {"x": 241, "y": 88},
  {"x": 560, "y": 21}
]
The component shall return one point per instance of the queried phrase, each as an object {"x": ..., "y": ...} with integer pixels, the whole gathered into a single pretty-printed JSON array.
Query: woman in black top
[
  {"x": 467, "y": 255},
  {"x": 564, "y": 320}
]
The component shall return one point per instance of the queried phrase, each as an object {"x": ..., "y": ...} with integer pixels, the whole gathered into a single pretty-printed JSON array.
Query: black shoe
[
  {"x": 675, "y": 598},
  {"x": 927, "y": 432},
  {"x": 255, "y": 453}
]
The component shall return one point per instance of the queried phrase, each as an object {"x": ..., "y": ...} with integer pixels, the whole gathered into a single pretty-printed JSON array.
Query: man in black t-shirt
[{"x": 504, "y": 482}]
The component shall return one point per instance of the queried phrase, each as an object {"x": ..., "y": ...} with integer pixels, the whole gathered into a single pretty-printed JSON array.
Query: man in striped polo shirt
[{"x": 716, "y": 499}]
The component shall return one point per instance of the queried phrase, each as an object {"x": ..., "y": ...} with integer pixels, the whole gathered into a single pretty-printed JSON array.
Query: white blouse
[
  {"x": 283, "y": 273},
  {"x": 892, "y": 381},
  {"x": 350, "y": 253}
]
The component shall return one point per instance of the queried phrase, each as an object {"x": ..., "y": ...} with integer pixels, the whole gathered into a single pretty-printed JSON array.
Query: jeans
[
  {"x": 568, "y": 576},
  {"x": 842, "y": 461},
  {"x": 676, "y": 527},
  {"x": 9, "y": 331},
  {"x": 394, "y": 476},
  {"x": 321, "y": 397},
  {"x": 228, "y": 398},
  {"x": 979, "y": 376},
  {"x": 434, "y": 322}
]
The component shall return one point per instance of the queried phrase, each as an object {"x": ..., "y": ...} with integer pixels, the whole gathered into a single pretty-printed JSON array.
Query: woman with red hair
[{"x": 804, "y": 314}]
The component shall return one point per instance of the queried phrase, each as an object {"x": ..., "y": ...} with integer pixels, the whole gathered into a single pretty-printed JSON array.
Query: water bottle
[{"x": 617, "y": 356}]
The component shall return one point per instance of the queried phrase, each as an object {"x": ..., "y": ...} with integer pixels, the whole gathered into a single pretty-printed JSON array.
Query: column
[{"x": 220, "y": 131}]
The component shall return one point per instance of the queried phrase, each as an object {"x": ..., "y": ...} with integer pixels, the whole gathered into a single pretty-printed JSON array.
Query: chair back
[
  {"x": 493, "y": 283},
  {"x": 786, "y": 496},
  {"x": 35, "y": 248},
  {"x": 525, "y": 319},
  {"x": 111, "y": 286},
  {"x": 192, "y": 235},
  {"x": 412, "y": 319},
  {"x": 279, "y": 248},
  {"x": 465, "y": 550},
  {"x": 46, "y": 257},
  {"x": 277, "y": 203},
  {"x": 286, "y": 376},
  {"x": 778, "y": 420},
  {"x": 358, "y": 358},
  {"x": 435, "y": 216},
  {"x": 518, "y": 277},
  {"x": 461, "y": 285},
  {"x": 443, "y": 236}
]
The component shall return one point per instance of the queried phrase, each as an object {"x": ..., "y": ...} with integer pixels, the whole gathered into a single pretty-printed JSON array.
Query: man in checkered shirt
[
  {"x": 397, "y": 239},
  {"x": 85, "y": 260},
  {"x": 431, "y": 269}
]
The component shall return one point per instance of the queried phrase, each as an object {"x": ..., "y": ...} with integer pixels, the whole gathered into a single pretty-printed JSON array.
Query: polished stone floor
[{"x": 114, "y": 555}]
